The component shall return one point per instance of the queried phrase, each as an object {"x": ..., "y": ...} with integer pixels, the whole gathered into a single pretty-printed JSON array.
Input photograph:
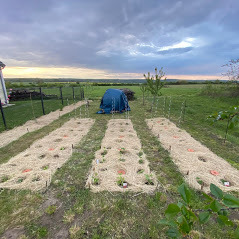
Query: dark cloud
[{"x": 131, "y": 36}]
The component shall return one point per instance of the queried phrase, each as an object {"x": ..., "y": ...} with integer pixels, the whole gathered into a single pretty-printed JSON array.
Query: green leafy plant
[
  {"x": 231, "y": 115},
  {"x": 181, "y": 217},
  {"x": 104, "y": 152},
  {"x": 122, "y": 160},
  {"x": 4, "y": 179},
  {"x": 140, "y": 153},
  {"x": 120, "y": 181},
  {"x": 149, "y": 179},
  {"x": 154, "y": 83},
  {"x": 95, "y": 179},
  {"x": 140, "y": 171},
  {"x": 141, "y": 161},
  {"x": 143, "y": 88},
  {"x": 51, "y": 209},
  {"x": 122, "y": 150}
]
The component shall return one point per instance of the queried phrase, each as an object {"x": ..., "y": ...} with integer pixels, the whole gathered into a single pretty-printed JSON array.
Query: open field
[{"x": 70, "y": 210}]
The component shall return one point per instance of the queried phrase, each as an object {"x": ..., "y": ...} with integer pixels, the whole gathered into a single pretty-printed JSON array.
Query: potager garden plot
[
  {"x": 197, "y": 163},
  {"x": 33, "y": 168},
  {"x": 120, "y": 164}
]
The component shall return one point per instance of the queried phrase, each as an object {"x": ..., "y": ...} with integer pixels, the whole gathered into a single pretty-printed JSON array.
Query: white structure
[{"x": 3, "y": 91}]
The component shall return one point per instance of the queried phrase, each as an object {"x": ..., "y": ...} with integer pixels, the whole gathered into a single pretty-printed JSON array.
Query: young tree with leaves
[
  {"x": 155, "y": 83},
  {"x": 143, "y": 88},
  {"x": 231, "y": 115}
]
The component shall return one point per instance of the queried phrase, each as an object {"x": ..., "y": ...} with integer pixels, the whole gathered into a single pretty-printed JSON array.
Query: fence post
[
  {"x": 61, "y": 96},
  {"x": 3, "y": 117},
  {"x": 73, "y": 92},
  {"x": 42, "y": 104}
]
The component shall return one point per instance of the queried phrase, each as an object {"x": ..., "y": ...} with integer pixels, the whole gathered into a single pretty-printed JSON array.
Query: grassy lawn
[{"x": 68, "y": 210}]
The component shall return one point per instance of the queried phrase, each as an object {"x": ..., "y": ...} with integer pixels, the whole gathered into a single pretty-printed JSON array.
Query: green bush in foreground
[{"x": 180, "y": 217}]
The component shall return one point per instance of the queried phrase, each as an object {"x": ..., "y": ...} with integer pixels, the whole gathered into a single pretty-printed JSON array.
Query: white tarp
[{"x": 3, "y": 92}]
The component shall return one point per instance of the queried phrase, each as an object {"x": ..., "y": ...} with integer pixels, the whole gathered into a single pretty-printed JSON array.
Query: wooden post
[
  {"x": 73, "y": 92},
  {"x": 3, "y": 117},
  {"x": 61, "y": 96},
  {"x": 42, "y": 103}
]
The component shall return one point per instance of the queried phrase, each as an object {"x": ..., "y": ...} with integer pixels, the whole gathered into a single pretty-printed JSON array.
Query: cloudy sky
[{"x": 118, "y": 38}]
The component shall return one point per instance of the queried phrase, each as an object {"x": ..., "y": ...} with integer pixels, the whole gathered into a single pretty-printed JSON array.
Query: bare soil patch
[
  {"x": 199, "y": 165},
  {"x": 120, "y": 164},
  {"x": 10, "y": 135},
  {"x": 34, "y": 167}
]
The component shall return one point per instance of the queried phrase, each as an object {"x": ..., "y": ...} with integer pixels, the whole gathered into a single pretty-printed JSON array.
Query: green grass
[{"x": 120, "y": 215}]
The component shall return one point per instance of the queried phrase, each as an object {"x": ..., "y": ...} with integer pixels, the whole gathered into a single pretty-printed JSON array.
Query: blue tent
[{"x": 114, "y": 100}]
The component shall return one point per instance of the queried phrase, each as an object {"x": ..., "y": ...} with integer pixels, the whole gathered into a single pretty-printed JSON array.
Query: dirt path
[
  {"x": 197, "y": 163},
  {"x": 8, "y": 136},
  {"x": 33, "y": 168},
  {"x": 121, "y": 159}
]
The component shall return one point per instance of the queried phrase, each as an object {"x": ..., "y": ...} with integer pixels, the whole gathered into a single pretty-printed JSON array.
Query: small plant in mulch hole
[
  {"x": 36, "y": 179},
  {"x": 103, "y": 169},
  {"x": 201, "y": 158},
  {"x": 45, "y": 167},
  {"x": 4, "y": 179},
  {"x": 122, "y": 150},
  {"x": 225, "y": 182},
  {"x": 140, "y": 153},
  {"x": 51, "y": 209},
  {"x": 95, "y": 179},
  {"x": 121, "y": 181},
  {"x": 140, "y": 171},
  {"x": 149, "y": 179},
  {"x": 20, "y": 180},
  {"x": 199, "y": 181},
  {"x": 57, "y": 140},
  {"x": 141, "y": 161},
  {"x": 62, "y": 148},
  {"x": 122, "y": 160},
  {"x": 104, "y": 152},
  {"x": 42, "y": 156}
]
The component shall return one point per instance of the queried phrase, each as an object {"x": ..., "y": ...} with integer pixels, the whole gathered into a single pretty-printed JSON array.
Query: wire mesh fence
[{"x": 31, "y": 103}]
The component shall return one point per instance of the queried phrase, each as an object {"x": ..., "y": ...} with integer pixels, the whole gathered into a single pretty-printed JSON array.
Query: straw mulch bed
[
  {"x": 121, "y": 160},
  {"x": 33, "y": 168},
  {"x": 196, "y": 162},
  {"x": 10, "y": 135}
]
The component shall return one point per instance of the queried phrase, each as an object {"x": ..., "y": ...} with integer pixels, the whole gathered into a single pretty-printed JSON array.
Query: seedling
[
  {"x": 122, "y": 160},
  {"x": 104, "y": 152},
  {"x": 4, "y": 178},
  {"x": 120, "y": 181},
  {"x": 51, "y": 209},
  {"x": 95, "y": 179},
  {"x": 140, "y": 154},
  {"x": 140, "y": 171},
  {"x": 199, "y": 180},
  {"x": 62, "y": 148},
  {"x": 122, "y": 150},
  {"x": 141, "y": 161},
  {"x": 149, "y": 179},
  {"x": 45, "y": 167},
  {"x": 20, "y": 180}
]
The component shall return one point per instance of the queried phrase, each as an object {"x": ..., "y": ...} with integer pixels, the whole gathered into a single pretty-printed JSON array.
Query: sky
[{"x": 123, "y": 39}]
